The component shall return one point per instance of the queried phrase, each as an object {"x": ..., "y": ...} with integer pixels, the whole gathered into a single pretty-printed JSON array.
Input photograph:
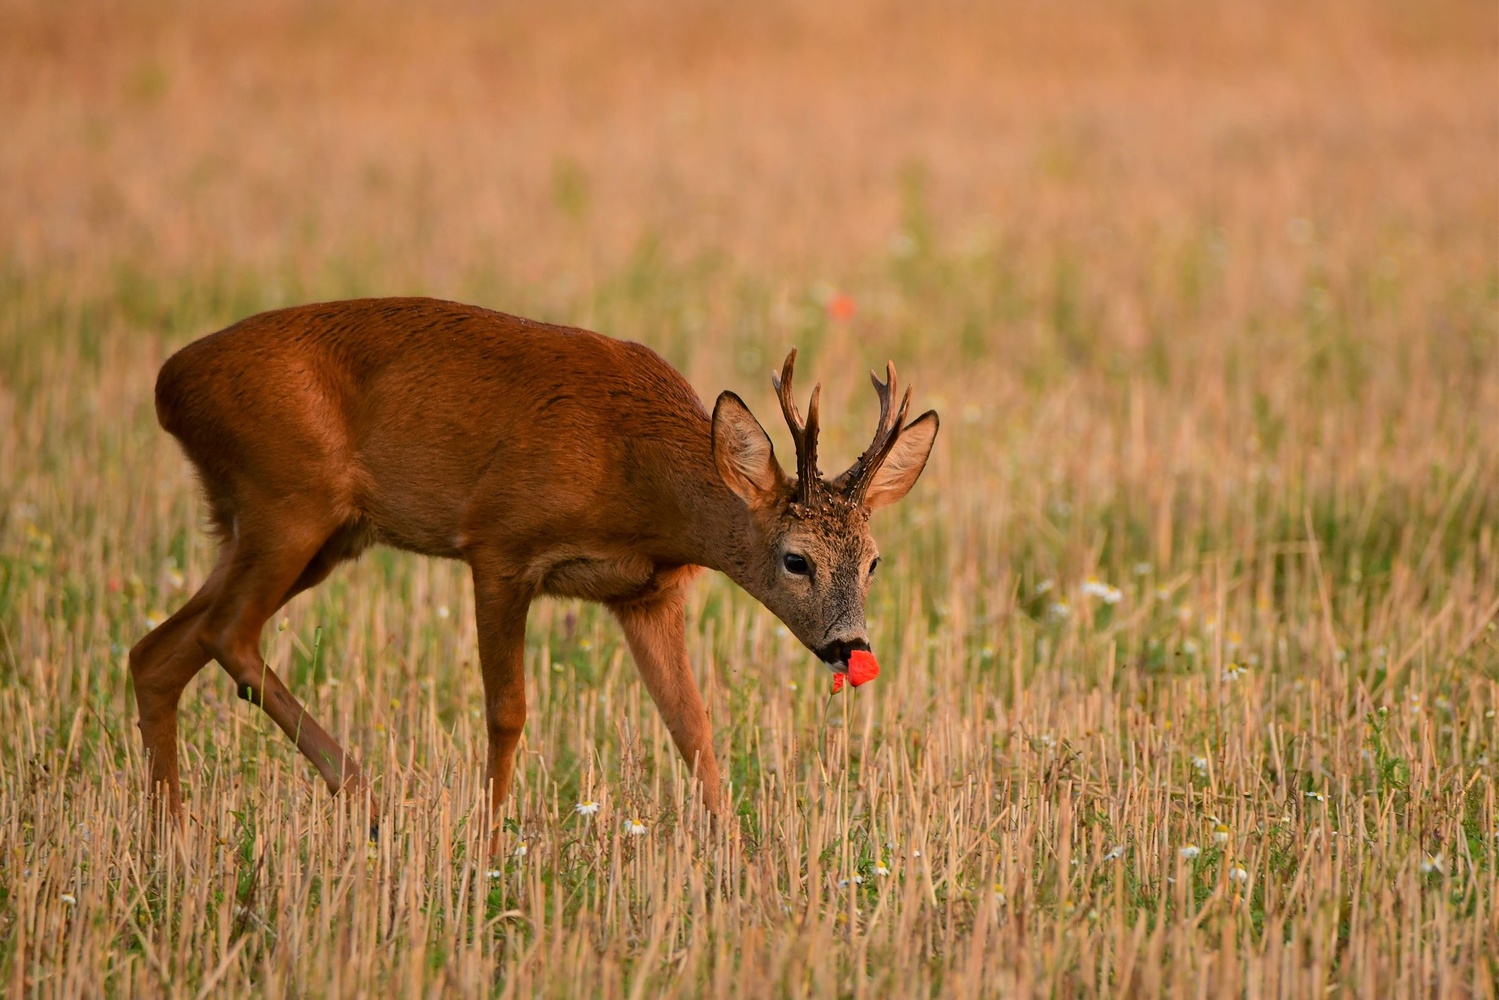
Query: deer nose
[{"x": 837, "y": 651}]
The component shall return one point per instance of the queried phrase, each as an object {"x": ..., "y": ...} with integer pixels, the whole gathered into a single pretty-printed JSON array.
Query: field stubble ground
[{"x": 1190, "y": 667}]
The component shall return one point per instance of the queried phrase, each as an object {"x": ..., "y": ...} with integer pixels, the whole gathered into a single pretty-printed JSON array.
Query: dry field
[{"x": 1191, "y": 668}]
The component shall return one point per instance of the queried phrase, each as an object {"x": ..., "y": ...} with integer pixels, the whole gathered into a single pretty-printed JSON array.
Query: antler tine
[
  {"x": 806, "y": 462},
  {"x": 886, "y": 431},
  {"x": 782, "y": 385},
  {"x": 803, "y": 432},
  {"x": 886, "y": 391}
]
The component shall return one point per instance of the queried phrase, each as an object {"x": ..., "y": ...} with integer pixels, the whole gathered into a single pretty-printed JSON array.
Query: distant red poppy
[{"x": 841, "y": 307}]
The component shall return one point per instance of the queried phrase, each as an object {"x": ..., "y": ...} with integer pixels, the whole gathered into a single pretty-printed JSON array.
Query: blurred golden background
[{"x": 1207, "y": 294}]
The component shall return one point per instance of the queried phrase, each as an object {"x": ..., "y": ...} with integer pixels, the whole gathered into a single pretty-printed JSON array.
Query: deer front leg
[
  {"x": 656, "y": 631},
  {"x": 500, "y": 605}
]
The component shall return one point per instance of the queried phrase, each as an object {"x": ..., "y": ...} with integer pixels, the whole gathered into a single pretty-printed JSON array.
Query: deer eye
[
  {"x": 796, "y": 564},
  {"x": 874, "y": 565}
]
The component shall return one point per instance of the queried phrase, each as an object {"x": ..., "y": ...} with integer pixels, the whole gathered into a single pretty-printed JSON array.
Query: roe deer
[{"x": 553, "y": 461}]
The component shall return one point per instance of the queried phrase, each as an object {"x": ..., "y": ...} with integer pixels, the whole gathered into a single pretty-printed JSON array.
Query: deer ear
[
  {"x": 898, "y": 473},
  {"x": 743, "y": 453}
]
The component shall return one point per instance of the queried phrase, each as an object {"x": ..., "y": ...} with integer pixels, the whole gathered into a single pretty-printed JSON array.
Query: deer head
[{"x": 812, "y": 559}]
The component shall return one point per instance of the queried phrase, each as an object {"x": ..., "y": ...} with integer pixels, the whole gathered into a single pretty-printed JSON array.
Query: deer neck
[{"x": 715, "y": 528}]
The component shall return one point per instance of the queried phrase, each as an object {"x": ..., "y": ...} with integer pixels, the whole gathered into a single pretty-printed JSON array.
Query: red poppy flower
[
  {"x": 862, "y": 668},
  {"x": 841, "y": 307}
]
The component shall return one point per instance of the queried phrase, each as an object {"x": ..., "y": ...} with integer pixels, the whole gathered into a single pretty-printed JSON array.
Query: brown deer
[{"x": 553, "y": 461}]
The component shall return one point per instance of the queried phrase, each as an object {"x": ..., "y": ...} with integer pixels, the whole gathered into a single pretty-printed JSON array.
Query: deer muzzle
[{"x": 836, "y": 653}]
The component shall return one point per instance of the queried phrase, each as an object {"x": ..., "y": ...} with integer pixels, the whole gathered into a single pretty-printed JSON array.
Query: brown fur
[{"x": 553, "y": 461}]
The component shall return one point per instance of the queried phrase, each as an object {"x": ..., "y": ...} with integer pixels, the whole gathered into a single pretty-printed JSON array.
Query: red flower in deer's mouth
[{"x": 862, "y": 668}]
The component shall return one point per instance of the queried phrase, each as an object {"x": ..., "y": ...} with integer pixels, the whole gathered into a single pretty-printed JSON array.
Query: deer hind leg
[
  {"x": 656, "y": 631},
  {"x": 161, "y": 665},
  {"x": 267, "y": 570}
]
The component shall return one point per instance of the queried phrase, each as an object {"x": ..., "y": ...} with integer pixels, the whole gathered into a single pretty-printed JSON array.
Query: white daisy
[{"x": 1095, "y": 587}]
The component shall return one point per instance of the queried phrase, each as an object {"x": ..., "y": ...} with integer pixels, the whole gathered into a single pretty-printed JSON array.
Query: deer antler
[
  {"x": 855, "y": 481},
  {"x": 804, "y": 433}
]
